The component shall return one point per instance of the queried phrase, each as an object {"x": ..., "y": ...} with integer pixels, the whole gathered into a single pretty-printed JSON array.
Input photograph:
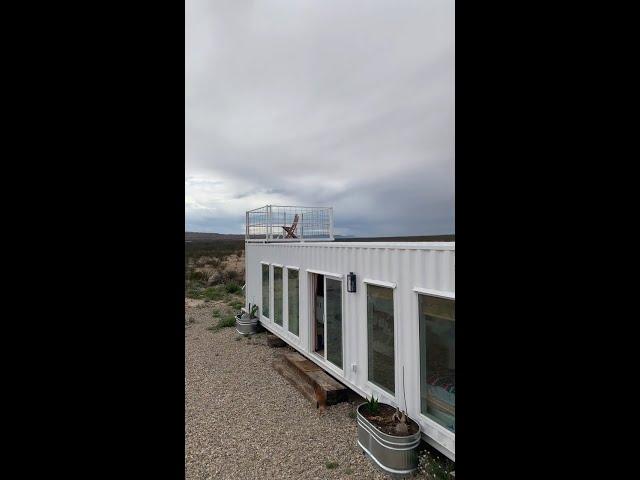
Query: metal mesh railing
[{"x": 275, "y": 223}]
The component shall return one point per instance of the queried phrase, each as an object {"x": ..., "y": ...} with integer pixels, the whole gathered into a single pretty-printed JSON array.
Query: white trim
[
  {"x": 435, "y": 434},
  {"x": 322, "y": 272},
  {"x": 297, "y": 241},
  {"x": 380, "y": 283},
  {"x": 264, "y": 263},
  {"x": 441, "y": 429},
  {"x": 292, "y": 268},
  {"x": 435, "y": 293},
  {"x": 395, "y": 395},
  {"x": 381, "y": 393},
  {"x": 441, "y": 448},
  {"x": 328, "y": 243},
  {"x": 279, "y": 265}
]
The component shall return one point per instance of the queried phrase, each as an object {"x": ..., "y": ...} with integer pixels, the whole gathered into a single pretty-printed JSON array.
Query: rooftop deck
[{"x": 277, "y": 223}]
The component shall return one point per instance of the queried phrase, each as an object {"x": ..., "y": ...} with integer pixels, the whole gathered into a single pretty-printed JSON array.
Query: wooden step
[{"x": 313, "y": 382}]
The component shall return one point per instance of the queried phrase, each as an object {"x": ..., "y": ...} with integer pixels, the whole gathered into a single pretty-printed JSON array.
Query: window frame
[
  {"x": 262, "y": 316},
  {"x": 382, "y": 392},
  {"x": 434, "y": 429},
  {"x": 323, "y": 358},
  {"x": 342, "y": 325},
  {"x": 286, "y": 313},
  {"x": 272, "y": 295}
]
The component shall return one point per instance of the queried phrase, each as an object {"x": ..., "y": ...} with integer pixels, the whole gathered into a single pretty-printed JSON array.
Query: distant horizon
[{"x": 337, "y": 235}]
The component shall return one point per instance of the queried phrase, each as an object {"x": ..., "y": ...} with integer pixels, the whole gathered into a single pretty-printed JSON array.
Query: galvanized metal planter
[
  {"x": 246, "y": 326},
  {"x": 395, "y": 455}
]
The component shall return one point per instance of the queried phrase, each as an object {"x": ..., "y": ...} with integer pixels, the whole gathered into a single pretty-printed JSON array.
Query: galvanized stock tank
[
  {"x": 395, "y": 455},
  {"x": 246, "y": 326}
]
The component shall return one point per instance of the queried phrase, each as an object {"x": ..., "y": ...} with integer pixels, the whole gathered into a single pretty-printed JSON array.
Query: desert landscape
[{"x": 243, "y": 419}]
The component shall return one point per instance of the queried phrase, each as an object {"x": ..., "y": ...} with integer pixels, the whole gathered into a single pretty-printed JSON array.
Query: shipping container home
[{"x": 378, "y": 316}]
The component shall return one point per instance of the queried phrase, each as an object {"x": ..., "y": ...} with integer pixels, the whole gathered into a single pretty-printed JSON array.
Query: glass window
[
  {"x": 438, "y": 360},
  {"x": 381, "y": 358},
  {"x": 294, "y": 301},
  {"x": 278, "y": 296},
  {"x": 334, "y": 321},
  {"x": 265, "y": 290}
]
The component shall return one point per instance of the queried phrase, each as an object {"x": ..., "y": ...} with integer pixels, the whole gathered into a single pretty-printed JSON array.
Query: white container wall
[{"x": 408, "y": 268}]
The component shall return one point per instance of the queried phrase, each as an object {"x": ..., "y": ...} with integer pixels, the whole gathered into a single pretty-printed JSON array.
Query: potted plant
[
  {"x": 388, "y": 436},
  {"x": 247, "y": 322}
]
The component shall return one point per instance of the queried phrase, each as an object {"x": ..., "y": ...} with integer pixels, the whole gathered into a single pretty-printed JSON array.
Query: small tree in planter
[
  {"x": 387, "y": 419},
  {"x": 388, "y": 435}
]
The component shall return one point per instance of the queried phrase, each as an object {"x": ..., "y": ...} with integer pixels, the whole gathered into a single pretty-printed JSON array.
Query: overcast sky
[{"x": 336, "y": 103}]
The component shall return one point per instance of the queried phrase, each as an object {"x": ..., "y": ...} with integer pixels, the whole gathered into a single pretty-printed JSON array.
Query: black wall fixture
[{"x": 351, "y": 282}]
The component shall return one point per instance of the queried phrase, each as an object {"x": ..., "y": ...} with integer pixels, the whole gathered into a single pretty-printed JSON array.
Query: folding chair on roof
[{"x": 291, "y": 231}]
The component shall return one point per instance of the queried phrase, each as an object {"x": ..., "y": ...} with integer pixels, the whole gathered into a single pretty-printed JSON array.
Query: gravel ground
[{"x": 244, "y": 421}]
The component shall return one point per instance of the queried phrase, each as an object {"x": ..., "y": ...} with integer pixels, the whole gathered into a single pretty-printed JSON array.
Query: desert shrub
[
  {"x": 232, "y": 287},
  {"x": 197, "y": 276},
  {"x": 194, "y": 290},
  {"x": 331, "y": 465},
  {"x": 229, "y": 321},
  {"x": 216, "y": 278},
  {"x": 226, "y": 277},
  {"x": 214, "y": 293},
  {"x": 226, "y": 322},
  {"x": 237, "y": 304},
  {"x": 202, "y": 261},
  {"x": 233, "y": 276}
]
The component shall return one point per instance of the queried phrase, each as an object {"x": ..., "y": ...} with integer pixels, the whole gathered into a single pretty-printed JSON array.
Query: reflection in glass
[
  {"x": 278, "y": 297},
  {"x": 294, "y": 301},
  {"x": 381, "y": 359},
  {"x": 438, "y": 360},
  {"x": 334, "y": 321},
  {"x": 265, "y": 290}
]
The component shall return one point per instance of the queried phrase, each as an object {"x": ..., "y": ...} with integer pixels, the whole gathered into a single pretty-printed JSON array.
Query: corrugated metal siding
[{"x": 410, "y": 265}]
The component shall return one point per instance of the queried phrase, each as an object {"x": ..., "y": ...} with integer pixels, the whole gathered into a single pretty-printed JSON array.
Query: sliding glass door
[
  {"x": 334, "y": 320},
  {"x": 327, "y": 317}
]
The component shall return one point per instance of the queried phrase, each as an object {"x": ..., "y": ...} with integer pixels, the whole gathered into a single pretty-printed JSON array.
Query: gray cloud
[{"x": 349, "y": 104}]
